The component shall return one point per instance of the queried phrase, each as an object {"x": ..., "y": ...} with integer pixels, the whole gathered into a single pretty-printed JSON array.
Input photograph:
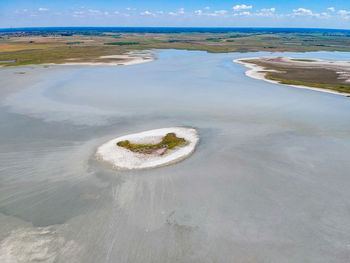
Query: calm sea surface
[{"x": 269, "y": 181}]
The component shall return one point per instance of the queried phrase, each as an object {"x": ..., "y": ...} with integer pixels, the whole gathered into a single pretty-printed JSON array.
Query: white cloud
[
  {"x": 21, "y": 11},
  {"x": 146, "y": 13},
  {"x": 216, "y": 13},
  {"x": 94, "y": 12},
  {"x": 308, "y": 12},
  {"x": 344, "y": 13},
  {"x": 116, "y": 12},
  {"x": 220, "y": 12},
  {"x": 332, "y": 9},
  {"x": 78, "y": 13},
  {"x": 302, "y": 12},
  {"x": 198, "y": 12},
  {"x": 268, "y": 10},
  {"x": 160, "y": 12},
  {"x": 180, "y": 11},
  {"x": 242, "y": 7},
  {"x": 43, "y": 9},
  {"x": 324, "y": 15},
  {"x": 246, "y": 13},
  {"x": 206, "y": 8},
  {"x": 106, "y": 13}
]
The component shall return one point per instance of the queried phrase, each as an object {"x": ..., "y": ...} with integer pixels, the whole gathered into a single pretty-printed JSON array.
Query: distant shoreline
[{"x": 258, "y": 72}]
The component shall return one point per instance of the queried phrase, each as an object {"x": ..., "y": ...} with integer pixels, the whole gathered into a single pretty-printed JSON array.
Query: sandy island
[
  {"x": 124, "y": 159},
  {"x": 258, "y": 72}
]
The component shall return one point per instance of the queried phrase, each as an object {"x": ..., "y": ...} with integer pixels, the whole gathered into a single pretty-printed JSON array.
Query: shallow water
[{"x": 269, "y": 181}]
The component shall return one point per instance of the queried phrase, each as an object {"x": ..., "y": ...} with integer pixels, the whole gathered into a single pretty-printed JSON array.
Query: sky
[{"x": 179, "y": 13}]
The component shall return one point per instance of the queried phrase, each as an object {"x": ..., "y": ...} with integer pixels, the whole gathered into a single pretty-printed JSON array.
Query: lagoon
[{"x": 268, "y": 181}]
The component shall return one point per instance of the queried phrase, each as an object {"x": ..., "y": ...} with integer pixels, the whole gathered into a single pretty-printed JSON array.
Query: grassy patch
[
  {"x": 122, "y": 43},
  {"x": 74, "y": 43},
  {"x": 169, "y": 141},
  {"x": 345, "y": 88},
  {"x": 303, "y": 60}
]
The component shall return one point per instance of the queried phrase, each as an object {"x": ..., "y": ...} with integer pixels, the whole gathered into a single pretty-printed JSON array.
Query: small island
[{"x": 149, "y": 149}]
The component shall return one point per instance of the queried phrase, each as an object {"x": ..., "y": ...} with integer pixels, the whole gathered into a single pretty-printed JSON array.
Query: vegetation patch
[
  {"x": 303, "y": 60},
  {"x": 169, "y": 141},
  {"x": 122, "y": 43},
  {"x": 74, "y": 43}
]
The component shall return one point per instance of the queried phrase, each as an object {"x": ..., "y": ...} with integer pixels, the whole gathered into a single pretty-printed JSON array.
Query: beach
[{"x": 258, "y": 72}]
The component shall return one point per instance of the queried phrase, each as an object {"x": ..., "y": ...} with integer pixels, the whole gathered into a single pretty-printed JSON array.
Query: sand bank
[
  {"x": 128, "y": 59},
  {"x": 124, "y": 159},
  {"x": 258, "y": 72}
]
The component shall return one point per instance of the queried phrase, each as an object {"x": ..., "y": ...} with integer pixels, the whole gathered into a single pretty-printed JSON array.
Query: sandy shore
[
  {"x": 128, "y": 59},
  {"x": 124, "y": 159},
  {"x": 258, "y": 72}
]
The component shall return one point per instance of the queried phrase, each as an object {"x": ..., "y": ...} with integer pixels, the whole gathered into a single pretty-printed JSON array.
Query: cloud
[
  {"x": 116, "y": 12},
  {"x": 94, "y": 12},
  {"x": 146, "y": 13},
  {"x": 180, "y": 11},
  {"x": 308, "y": 12},
  {"x": 21, "y": 11},
  {"x": 332, "y": 9},
  {"x": 242, "y": 7},
  {"x": 216, "y": 13},
  {"x": 198, "y": 12},
  {"x": 78, "y": 13},
  {"x": 206, "y": 8},
  {"x": 344, "y": 13},
  {"x": 268, "y": 10},
  {"x": 246, "y": 13},
  {"x": 43, "y": 9},
  {"x": 302, "y": 12}
]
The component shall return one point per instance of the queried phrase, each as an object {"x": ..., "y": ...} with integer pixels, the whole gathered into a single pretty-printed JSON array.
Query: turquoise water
[{"x": 268, "y": 183}]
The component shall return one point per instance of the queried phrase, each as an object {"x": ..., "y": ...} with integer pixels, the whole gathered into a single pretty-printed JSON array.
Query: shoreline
[
  {"x": 258, "y": 72},
  {"x": 128, "y": 59},
  {"x": 124, "y": 159}
]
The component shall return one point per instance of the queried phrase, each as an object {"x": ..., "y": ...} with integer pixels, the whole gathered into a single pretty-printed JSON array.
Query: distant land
[
  {"x": 177, "y": 29},
  {"x": 26, "y": 46}
]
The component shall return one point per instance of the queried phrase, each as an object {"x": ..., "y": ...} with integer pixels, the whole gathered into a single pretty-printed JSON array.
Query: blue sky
[{"x": 208, "y": 13}]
